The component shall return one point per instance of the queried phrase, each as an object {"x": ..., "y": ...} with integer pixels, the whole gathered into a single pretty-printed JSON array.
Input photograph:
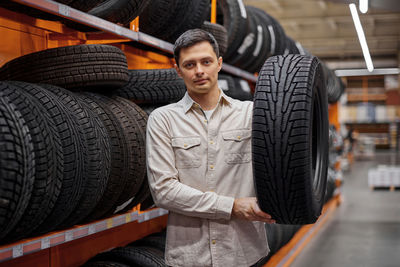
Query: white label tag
[
  {"x": 272, "y": 37},
  {"x": 242, "y": 9},
  {"x": 223, "y": 84},
  {"x": 247, "y": 42},
  {"x": 63, "y": 10},
  {"x": 260, "y": 40},
  {"x": 245, "y": 86}
]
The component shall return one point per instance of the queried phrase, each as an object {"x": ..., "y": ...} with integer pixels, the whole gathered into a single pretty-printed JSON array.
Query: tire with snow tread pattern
[
  {"x": 119, "y": 152},
  {"x": 290, "y": 139},
  {"x": 232, "y": 15},
  {"x": 119, "y": 11},
  {"x": 49, "y": 172},
  {"x": 104, "y": 264},
  {"x": 95, "y": 66},
  {"x": 153, "y": 86},
  {"x": 17, "y": 165},
  {"x": 220, "y": 34},
  {"x": 135, "y": 256},
  {"x": 48, "y": 157},
  {"x": 138, "y": 118},
  {"x": 95, "y": 151},
  {"x": 97, "y": 160},
  {"x": 235, "y": 87}
]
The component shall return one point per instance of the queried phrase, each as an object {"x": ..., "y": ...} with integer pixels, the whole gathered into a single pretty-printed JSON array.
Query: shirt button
[
  {"x": 211, "y": 142},
  {"x": 239, "y": 137},
  {"x": 211, "y": 167},
  {"x": 205, "y": 121},
  {"x": 184, "y": 145},
  {"x": 213, "y": 241}
]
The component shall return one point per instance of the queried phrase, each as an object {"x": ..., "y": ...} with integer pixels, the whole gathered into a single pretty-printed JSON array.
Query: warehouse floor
[{"x": 365, "y": 228}]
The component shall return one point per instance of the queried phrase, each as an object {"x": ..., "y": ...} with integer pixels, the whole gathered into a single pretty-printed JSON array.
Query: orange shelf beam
[{"x": 286, "y": 254}]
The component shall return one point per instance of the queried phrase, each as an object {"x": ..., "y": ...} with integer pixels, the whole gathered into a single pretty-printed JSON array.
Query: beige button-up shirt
[{"x": 196, "y": 167}]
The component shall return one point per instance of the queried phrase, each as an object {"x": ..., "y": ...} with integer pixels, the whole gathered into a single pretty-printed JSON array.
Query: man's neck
[{"x": 207, "y": 101}]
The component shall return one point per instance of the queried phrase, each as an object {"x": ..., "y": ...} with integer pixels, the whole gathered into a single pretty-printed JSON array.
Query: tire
[
  {"x": 220, "y": 34},
  {"x": 135, "y": 256},
  {"x": 97, "y": 152},
  {"x": 138, "y": 118},
  {"x": 290, "y": 139},
  {"x": 156, "y": 240},
  {"x": 232, "y": 15},
  {"x": 17, "y": 165},
  {"x": 142, "y": 195},
  {"x": 48, "y": 156},
  {"x": 153, "y": 86},
  {"x": 30, "y": 11},
  {"x": 119, "y": 11},
  {"x": 235, "y": 87},
  {"x": 71, "y": 67},
  {"x": 178, "y": 16},
  {"x": 104, "y": 264},
  {"x": 119, "y": 151}
]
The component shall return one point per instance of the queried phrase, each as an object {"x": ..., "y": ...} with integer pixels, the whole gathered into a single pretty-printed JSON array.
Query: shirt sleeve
[{"x": 167, "y": 191}]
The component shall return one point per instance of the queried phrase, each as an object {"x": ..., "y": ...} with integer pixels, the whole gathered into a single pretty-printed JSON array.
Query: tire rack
[{"x": 74, "y": 246}]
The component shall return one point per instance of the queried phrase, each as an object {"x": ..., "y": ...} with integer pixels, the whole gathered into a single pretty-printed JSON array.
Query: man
[{"x": 200, "y": 168}]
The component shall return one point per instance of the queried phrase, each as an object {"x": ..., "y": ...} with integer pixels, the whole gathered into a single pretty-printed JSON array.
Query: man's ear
[
  {"x": 219, "y": 63},
  {"x": 178, "y": 70}
]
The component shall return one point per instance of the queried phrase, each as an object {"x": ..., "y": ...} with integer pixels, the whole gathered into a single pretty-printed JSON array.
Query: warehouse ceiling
[{"x": 326, "y": 29}]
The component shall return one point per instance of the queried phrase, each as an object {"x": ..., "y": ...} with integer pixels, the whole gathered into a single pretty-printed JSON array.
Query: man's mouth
[{"x": 200, "y": 81}]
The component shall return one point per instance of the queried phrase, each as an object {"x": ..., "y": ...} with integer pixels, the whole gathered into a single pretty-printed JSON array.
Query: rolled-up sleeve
[{"x": 167, "y": 191}]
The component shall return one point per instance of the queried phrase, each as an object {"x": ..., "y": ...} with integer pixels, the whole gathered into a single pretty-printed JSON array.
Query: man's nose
[{"x": 199, "y": 68}]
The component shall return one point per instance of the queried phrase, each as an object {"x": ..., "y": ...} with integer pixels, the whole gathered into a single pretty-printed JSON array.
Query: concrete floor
[{"x": 365, "y": 228}]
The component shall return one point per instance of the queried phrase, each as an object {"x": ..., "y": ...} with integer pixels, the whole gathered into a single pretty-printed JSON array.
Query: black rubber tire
[
  {"x": 149, "y": 108},
  {"x": 97, "y": 158},
  {"x": 110, "y": 115},
  {"x": 48, "y": 156},
  {"x": 135, "y": 256},
  {"x": 220, "y": 34},
  {"x": 261, "y": 51},
  {"x": 191, "y": 16},
  {"x": 104, "y": 264},
  {"x": 138, "y": 118},
  {"x": 232, "y": 15},
  {"x": 291, "y": 47},
  {"x": 156, "y": 240},
  {"x": 177, "y": 17},
  {"x": 26, "y": 10},
  {"x": 250, "y": 42},
  {"x": 153, "y": 86},
  {"x": 235, "y": 87},
  {"x": 334, "y": 85},
  {"x": 142, "y": 195},
  {"x": 119, "y": 11},
  {"x": 82, "y": 5},
  {"x": 290, "y": 139},
  {"x": 17, "y": 165},
  {"x": 95, "y": 66}
]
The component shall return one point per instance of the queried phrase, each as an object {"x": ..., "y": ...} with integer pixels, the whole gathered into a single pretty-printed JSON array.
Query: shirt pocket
[
  {"x": 187, "y": 152},
  {"x": 237, "y": 146}
]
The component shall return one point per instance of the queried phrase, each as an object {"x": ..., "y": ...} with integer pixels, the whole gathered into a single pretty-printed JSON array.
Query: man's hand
[{"x": 248, "y": 209}]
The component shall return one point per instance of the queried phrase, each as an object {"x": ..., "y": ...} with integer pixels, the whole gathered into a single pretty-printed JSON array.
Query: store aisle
[{"x": 365, "y": 228}]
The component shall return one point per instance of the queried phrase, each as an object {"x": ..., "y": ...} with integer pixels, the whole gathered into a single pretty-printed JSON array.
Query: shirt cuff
[{"x": 224, "y": 207}]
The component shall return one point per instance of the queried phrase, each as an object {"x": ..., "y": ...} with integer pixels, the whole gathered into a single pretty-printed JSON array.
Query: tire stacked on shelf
[
  {"x": 334, "y": 85},
  {"x": 81, "y": 156},
  {"x": 148, "y": 251}
]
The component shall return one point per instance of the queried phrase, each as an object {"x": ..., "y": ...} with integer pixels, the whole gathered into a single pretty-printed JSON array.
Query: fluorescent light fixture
[
  {"x": 361, "y": 37},
  {"x": 364, "y": 72},
  {"x": 363, "y": 6}
]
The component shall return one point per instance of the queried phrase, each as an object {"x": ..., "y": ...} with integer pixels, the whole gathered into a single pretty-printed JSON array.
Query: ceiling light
[
  {"x": 363, "y": 72},
  {"x": 363, "y": 6},
  {"x": 361, "y": 37}
]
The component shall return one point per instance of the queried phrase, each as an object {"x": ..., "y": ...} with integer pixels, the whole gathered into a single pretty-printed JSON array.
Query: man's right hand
[{"x": 248, "y": 209}]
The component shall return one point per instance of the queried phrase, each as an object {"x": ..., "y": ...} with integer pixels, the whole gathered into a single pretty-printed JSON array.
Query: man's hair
[{"x": 192, "y": 37}]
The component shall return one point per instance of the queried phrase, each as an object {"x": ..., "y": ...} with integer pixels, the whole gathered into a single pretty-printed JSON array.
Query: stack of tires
[
  {"x": 70, "y": 155},
  {"x": 148, "y": 251}
]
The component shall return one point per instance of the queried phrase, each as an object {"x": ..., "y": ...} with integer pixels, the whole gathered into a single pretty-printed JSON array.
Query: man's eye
[
  {"x": 189, "y": 65},
  {"x": 207, "y": 62}
]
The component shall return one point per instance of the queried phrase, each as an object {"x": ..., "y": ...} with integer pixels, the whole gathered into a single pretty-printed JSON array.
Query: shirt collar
[{"x": 188, "y": 102}]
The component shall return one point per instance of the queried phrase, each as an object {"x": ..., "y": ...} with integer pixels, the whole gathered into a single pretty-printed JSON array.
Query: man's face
[{"x": 199, "y": 67}]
